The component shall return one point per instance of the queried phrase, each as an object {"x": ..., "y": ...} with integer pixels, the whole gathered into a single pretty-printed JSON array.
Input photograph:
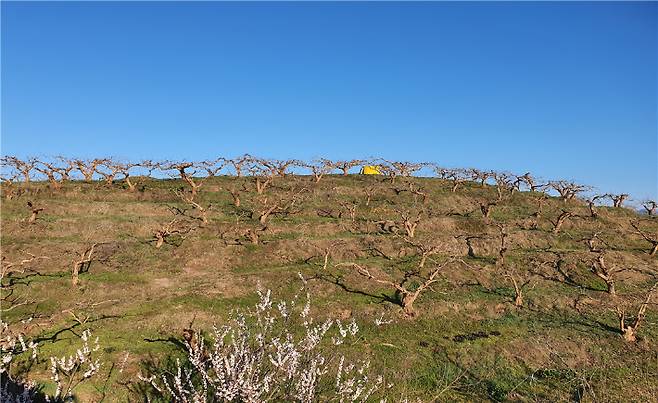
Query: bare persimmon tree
[
  {"x": 387, "y": 226},
  {"x": 174, "y": 227},
  {"x": 320, "y": 167},
  {"x": 402, "y": 168},
  {"x": 197, "y": 206},
  {"x": 124, "y": 169},
  {"x": 503, "y": 234},
  {"x": 410, "y": 220},
  {"x": 618, "y": 199},
  {"x": 567, "y": 190},
  {"x": 65, "y": 167},
  {"x": 82, "y": 263},
  {"x": 87, "y": 167},
  {"x": 485, "y": 208},
  {"x": 650, "y": 206},
  {"x": 263, "y": 176},
  {"x": 418, "y": 191},
  {"x": 281, "y": 167},
  {"x": 214, "y": 167},
  {"x": 425, "y": 248},
  {"x": 235, "y": 195},
  {"x": 591, "y": 205},
  {"x": 519, "y": 277},
  {"x": 346, "y": 165},
  {"x": 414, "y": 189},
  {"x": 284, "y": 204},
  {"x": 251, "y": 235},
  {"x": 50, "y": 171},
  {"x": 525, "y": 179},
  {"x": 560, "y": 220},
  {"x": 599, "y": 265},
  {"x": 413, "y": 283},
  {"x": 8, "y": 186},
  {"x": 594, "y": 243},
  {"x": 369, "y": 191},
  {"x": 183, "y": 173},
  {"x": 325, "y": 252},
  {"x": 238, "y": 163},
  {"x": 348, "y": 209},
  {"x": 34, "y": 211},
  {"x": 651, "y": 238},
  {"x": 520, "y": 280},
  {"x": 24, "y": 167},
  {"x": 504, "y": 184},
  {"x": 538, "y": 214},
  {"x": 456, "y": 176},
  {"x": 240, "y": 234},
  {"x": 532, "y": 184},
  {"x": 480, "y": 176},
  {"x": 149, "y": 166},
  {"x": 629, "y": 330},
  {"x": 108, "y": 169}
]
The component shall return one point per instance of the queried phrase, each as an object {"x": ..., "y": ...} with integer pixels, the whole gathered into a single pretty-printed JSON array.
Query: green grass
[{"x": 467, "y": 343}]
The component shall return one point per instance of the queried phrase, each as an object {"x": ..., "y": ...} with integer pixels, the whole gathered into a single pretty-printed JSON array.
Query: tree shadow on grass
[
  {"x": 54, "y": 337},
  {"x": 580, "y": 323},
  {"x": 338, "y": 281},
  {"x": 169, "y": 340}
]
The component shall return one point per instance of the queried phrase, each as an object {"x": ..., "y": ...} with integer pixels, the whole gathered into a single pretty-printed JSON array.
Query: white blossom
[{"x": 257, "y": 356}]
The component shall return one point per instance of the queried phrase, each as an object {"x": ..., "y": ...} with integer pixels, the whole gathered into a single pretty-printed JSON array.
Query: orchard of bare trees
[{"x": 547, "y": 279}]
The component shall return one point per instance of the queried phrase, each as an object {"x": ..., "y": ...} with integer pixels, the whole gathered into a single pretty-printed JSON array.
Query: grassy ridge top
[{"x": 514, "y": 303}]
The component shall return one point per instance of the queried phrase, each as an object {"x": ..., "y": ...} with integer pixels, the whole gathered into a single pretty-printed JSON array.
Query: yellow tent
[{"x": 370, "y": 170}]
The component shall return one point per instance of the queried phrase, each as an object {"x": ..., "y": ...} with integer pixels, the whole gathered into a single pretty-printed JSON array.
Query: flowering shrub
[
  {"x": 273, "y": 352},
  {"x": 74, "y": 369},
  {"x": 12, "y": 344},
  {"x": 66, "y": 372}
]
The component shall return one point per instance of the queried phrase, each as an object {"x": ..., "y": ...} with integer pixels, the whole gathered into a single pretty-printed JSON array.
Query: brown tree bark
[
  {"x": 652, "y": 239},
  {"x": 557, "y": 225},
  {"x": 34, "y": 212}
]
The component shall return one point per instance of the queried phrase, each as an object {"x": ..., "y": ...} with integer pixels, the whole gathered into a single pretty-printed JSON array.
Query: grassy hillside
[{"x": 463, "y": 339}]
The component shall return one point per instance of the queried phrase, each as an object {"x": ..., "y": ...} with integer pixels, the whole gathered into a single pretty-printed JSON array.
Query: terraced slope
[{"x": 468, "y": 335}]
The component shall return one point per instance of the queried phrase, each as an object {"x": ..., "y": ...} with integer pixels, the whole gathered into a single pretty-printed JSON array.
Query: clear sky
[{"x": 564, "y": 90}]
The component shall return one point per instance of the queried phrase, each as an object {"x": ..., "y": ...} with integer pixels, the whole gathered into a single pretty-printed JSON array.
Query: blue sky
[{"x": 564, "y": 90}]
